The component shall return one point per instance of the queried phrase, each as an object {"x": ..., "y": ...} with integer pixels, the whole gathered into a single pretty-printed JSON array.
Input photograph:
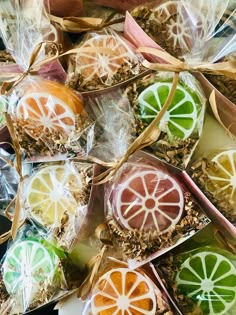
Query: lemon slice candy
[
  {"x": 50, "y": 194},
  {"x": 222, "y": 176},
  {"x": 124, "y": 291},
  {"x": 180, "y": 119},
  {"x": 209, "y": 279},
  {"x": 27, "y": 267}
]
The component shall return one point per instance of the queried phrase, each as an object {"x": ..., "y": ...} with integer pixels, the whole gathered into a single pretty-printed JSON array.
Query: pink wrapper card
[{"x": 212, "y": 212}]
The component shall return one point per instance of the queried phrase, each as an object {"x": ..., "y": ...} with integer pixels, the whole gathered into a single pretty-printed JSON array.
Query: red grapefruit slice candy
[{"x": 147, "y": 199}]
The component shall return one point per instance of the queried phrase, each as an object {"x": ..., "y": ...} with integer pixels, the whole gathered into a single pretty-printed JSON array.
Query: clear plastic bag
[
  {"x": 114, "y": 128},
  {"x": 91, "y": 71},
  {"x": 9, "y": 180},
  {"x": 34, "y": 272},
  {"x": 196, "y": 31},
  {"x": 215, "y": 174},
  {"x": 56, "y": 199},
  {"x": 52, "y": 123},
  {"x": 199, "y": 32},
  {"x": 148, "y": 208},
  {"x": 49, "y": 118},
  {"x": 200, "y": 276},
  {"x": 22, "y": 32},
  {"x": 181, "y": 126}
]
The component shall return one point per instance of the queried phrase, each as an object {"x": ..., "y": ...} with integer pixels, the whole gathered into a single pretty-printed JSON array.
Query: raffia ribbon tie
[
  {"x": 93, "y": 265},
  {"x": 213, "y": 104},
  {"x": 146, "y": 138},
  {"x": 74, "y": 24},
  {"x": 16, "y": 218},
  {"x": 103, "y": 234},
  {"x": 34, "y": 65},
  {"x": 95, "y": 262},
  {"x": 219, "y": 236},
  {"x": 226, "y": 68}
]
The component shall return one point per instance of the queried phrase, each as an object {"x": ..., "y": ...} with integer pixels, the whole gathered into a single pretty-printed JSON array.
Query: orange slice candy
[
  {"x": 123, "y": 291},
  {"x": 103, "y": 66},
  {"x": 50, "y": 105}
]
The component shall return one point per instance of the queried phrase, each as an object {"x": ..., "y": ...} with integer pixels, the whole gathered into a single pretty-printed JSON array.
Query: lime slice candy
[
  {"x": 27, "y": 268},
  {"x": 181, "y": 117},
  {"x": 208, "y": 278}
]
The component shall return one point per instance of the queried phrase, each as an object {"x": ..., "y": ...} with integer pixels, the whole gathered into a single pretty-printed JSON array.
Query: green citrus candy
[
  {"x": 208, "y": 278},
  {"x": 27, "y": 267},
  {"x": 181, "y": 117}
]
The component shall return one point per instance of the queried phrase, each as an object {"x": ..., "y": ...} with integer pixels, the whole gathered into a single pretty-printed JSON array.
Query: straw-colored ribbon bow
[
  {"x": 74, "y": 24},
  {"x": 34, "y": 65}
]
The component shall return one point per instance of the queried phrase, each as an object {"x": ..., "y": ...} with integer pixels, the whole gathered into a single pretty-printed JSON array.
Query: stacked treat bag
[
  {"x": 54, "y": 197},
  {"x": 201, "y": 33},
  {"x": 63, "y": 124},
  {"x": 143, "y": 205},
  {"x": 181, "y": 28},
  {"x": 204, "y": 40}
]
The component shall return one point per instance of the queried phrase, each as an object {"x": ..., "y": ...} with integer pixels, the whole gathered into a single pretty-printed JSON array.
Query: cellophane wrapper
[
  {"x": 21, "y": 33},
  {"x": 200, "y": 276},
  {"x": 49, "y": 119},
  {"x": 114, "y": 128},
  {"x": 148, "y": 209},
  {"x": 51, "y": 122},
  {"x": 89, "y": 71},
  {"x": 117, "y": 288},
  {"x": 181, "y": 126},
  {"x": 9, "y": 178},
  {"x": 55, "y": 198},
  {"x": 198, "y": 32},
  {"x": 214, "y": 173},
  {"x": 33, "y": 273}
]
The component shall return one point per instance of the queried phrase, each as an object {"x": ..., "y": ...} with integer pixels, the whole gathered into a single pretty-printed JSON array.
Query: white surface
[
  {"x": 71, "y": 306},
  {"x": 214, "y": 137}
]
